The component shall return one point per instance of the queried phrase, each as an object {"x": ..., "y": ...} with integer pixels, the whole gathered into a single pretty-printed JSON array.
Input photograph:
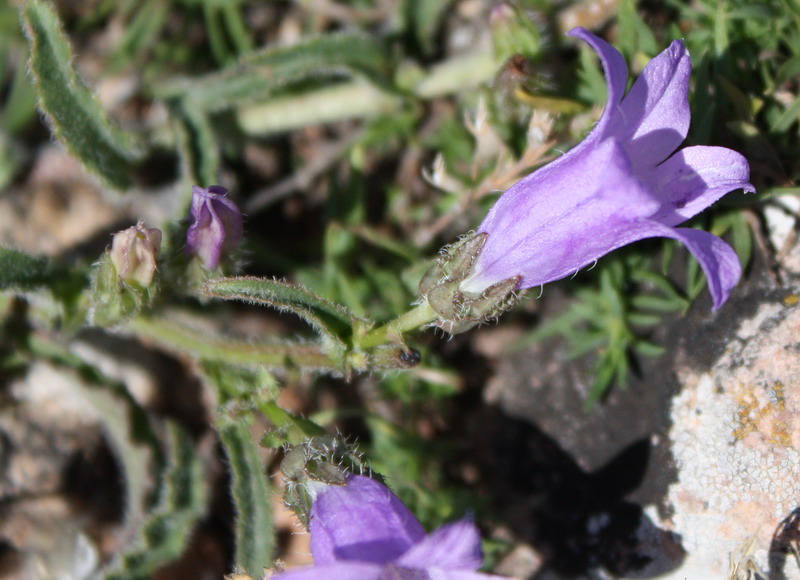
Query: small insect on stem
[{"x": 409, "y": 357}]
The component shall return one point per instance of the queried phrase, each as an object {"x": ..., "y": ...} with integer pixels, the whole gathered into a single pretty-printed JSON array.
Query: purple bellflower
[
  {"x": 623, "y": 183},
  {"x": 362, "y": 531},
  {"x": 217, "y": 227}
]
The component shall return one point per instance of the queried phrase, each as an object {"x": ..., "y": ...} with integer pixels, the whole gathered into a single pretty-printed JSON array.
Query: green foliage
[
  {"x": 255, "y": 540},
  {"x": 423, "y": 19},
  {"x": 260, "y": 74},
  {"x": 182, "y": 502},
  {"x": 330, "y": 320},
  {"x": 197, "y": 143},
  {"x": 608, "y": 320},
  {"x": 334, "y": 111},
  {"x": 73, "y": 111},
  {"x": 21, "y": 271},
  {"x": 741, "y": 96}
]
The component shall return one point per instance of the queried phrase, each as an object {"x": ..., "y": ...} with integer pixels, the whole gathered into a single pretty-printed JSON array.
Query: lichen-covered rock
[{"x": 736, "y": 441}]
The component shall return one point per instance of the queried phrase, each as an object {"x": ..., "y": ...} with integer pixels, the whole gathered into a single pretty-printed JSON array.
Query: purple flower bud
[
  {"x": 623, "y": 183},
  {"x": 134, "y": 254},
  {"x": 217, "y": 226},
  {"x": 362, "y": 530}
]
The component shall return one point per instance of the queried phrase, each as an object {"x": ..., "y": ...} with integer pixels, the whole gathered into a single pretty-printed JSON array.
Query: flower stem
[
  {"x": 186, "y": 339},
  {"x": 393, "y": 330}
]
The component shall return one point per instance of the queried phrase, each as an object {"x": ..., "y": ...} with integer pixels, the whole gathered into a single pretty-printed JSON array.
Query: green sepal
[
  {"x": 459, "y": 311},
  {"x": 112, "y": 300},
  {"x": 316, "y": 463},
  {"x": 255, "y": 537},
  {"x": 72, "y": 110}
]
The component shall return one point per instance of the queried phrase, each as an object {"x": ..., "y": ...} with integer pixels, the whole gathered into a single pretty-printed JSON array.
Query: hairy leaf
[
  {"x": 73, "y": 111},
  {"x": 251, "y": 495},
  {"x": 259, "y": 74}
]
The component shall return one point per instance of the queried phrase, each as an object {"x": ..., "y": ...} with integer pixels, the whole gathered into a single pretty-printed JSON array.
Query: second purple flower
[{"x": 217, "y": 227}]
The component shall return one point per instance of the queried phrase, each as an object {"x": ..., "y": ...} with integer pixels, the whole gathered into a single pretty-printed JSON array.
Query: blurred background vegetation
[{"x": 358, "y": 138}]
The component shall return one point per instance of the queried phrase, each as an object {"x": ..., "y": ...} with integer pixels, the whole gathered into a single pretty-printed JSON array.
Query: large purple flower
[
  {"x": 363, "y": 531},
  {"x": 623, "y": 183},
  {"x": 217, "y": 226}
]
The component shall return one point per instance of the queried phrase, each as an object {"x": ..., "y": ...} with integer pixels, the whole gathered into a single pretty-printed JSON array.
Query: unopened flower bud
[
  {"x": 134, "y": 254},
  {"x": 217, "y": 225}
]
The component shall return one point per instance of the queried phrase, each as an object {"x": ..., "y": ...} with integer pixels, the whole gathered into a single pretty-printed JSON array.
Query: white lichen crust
[{"x": 735, "y": 438}]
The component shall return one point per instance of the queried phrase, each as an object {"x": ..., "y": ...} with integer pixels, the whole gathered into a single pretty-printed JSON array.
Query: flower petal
[
  {"x": 694, "y": 178},
  {"x": 653, "y": 119},
  {"x": 340, "y": 571},
  {"x": 362, "y": 521},
  {"x": 616, "y": 72},
  {"x": 718, "y": 260},
  {"x": 434, "y": 573},
  {"x": 456, "y": 546},
  {"x": 558, "y": 220}
]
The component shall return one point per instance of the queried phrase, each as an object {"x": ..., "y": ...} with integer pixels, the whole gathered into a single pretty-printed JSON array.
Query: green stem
[
  {"x": 393, "y": 331},
  {"x": 183, "y": 338}
]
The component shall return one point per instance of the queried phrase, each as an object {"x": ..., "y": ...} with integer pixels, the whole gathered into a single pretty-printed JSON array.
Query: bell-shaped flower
[
  {"x": 362, "y": 530},
  {"x": 623, "y": 183},
  {"x": 217, "y": 228}
]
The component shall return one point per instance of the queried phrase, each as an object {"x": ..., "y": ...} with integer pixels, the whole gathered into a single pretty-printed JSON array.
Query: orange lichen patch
[
  {"x": 791, "y": 300},
  {"x": 768, "y": 418}
]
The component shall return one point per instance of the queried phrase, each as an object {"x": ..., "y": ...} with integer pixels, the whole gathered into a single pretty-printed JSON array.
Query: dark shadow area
[
  {"x": 579, "y": 521},
  {"x": 785, "y": 545}
]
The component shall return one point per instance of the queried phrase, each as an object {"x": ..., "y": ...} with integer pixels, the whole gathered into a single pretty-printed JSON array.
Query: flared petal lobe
[
  {"x": 616, "y": 72},
  {"x": 456, "y": 546},
  {"x": 362, "y": 521},
  {"x": 694, "y": 178},
  {"x": 718, "y": 260},
  {"x": 654, "y": 117}
]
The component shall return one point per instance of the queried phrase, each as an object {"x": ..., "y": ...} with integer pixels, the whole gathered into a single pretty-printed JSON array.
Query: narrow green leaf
[
  {"x": 73, "y": 111},
  {"x": 260, "y": 74},
  {"x": 22, "y": 271},
  {"x": 789, "y": 116},
  {"x": 251, "y": 495},
  {"x": 331, "y": 320},
  {"x": 166, "y": 532},
  {"x": 648, "y": 348},
  {"x": 657, "y": 303},
  {"x": 425, "y": 17},
  {"x": 197, "y": 143},
  {"x": 141, "y": 31},
  {"x": 351, "y": 100}
]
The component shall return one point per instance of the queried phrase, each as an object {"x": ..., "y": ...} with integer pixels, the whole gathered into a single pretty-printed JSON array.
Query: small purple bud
[
  {"x": 217, "y": 226},
  {"x": 134, "y": 254}
]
